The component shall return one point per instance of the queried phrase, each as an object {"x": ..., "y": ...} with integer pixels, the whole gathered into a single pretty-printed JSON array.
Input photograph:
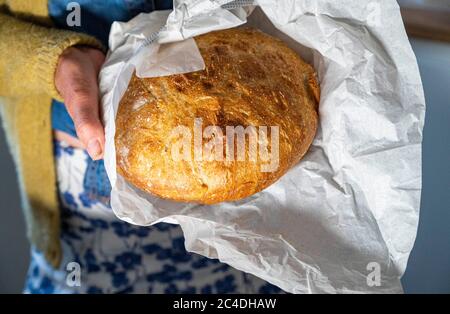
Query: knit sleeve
[{"x": 29, "y": 56}]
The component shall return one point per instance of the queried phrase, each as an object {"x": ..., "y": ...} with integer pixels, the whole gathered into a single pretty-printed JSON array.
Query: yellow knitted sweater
[{"x": 29, "y": 52}]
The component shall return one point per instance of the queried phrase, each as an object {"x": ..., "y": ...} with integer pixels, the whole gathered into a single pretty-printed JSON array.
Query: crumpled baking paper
[{"x": 344, "y": 219}]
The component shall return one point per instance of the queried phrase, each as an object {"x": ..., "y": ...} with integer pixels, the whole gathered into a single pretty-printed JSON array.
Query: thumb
[{"x": 83, "y": 107}]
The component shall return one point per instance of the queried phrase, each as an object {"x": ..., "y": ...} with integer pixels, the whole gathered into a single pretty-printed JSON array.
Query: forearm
[{"x": 29, "y": 56}]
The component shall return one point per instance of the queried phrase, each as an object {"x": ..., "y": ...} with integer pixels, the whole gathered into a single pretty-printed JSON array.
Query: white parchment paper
[{"x": 345, "y": 218}]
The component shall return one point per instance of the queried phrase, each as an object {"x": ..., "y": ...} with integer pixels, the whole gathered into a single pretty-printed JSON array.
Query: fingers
[
  {"x": 76, "y": 79},
  {"x": 83, "y": 107},
  {"x": 67, "y": 138}
]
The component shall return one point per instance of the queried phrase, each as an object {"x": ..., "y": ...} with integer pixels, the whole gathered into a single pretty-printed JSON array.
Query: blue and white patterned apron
[
  {"x": 114, "y": 256},
  {"x": 117, "y": 257}
]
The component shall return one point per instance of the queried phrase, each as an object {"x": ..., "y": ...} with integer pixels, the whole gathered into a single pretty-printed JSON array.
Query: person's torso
[{"x": 96, "y": 18}]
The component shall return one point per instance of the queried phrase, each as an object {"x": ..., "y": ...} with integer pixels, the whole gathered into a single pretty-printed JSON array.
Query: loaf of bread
[{"x": 177, "y": 137}]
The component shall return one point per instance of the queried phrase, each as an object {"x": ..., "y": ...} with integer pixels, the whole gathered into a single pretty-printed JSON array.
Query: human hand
[{"x": 76, "y": 79}]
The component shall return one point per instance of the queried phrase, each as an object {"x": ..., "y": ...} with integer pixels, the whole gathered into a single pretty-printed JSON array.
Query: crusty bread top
[{"x": 251, "y": 79}]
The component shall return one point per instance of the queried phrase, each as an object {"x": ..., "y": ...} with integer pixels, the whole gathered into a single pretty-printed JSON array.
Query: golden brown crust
[{"x": 250, "y": 79}]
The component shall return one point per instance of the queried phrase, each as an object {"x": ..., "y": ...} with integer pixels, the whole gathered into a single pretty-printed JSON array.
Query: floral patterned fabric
[
  {"x": 117, "y": 257},
  {"x": 114, "y": 256}
]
